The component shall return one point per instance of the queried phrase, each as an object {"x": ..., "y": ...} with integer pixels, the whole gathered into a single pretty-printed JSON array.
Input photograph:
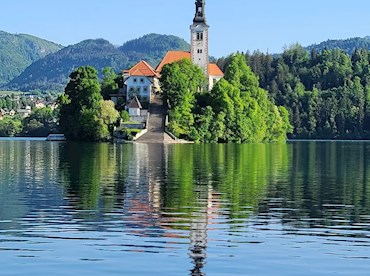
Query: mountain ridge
[
  {"x": 49, "y": 69},
  {"x": 52, "y": 71},
  {"x": 349, "y": 45},
  {"x": 18, "y": 51}
]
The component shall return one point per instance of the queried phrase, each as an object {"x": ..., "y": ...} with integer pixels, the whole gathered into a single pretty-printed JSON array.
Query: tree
[
  {"x": 108, "y": 113},
  {"x": 109, "y": 84},
  {"x": 41, "y": 122},
  {"x": 81, "y": 107},
  {"x": 10, "y": 127},
  {"x": 236, "y": 110},
  {"x": 180, "y": 82}
]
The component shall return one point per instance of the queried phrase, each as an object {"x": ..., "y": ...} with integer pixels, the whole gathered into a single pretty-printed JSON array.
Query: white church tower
[{"x": 199, "y": 37}]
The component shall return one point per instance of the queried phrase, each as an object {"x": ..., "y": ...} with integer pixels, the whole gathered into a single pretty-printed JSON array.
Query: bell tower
[{"x": 199, "y": 37}]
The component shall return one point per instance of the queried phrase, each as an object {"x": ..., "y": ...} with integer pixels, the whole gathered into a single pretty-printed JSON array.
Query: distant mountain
[
  {"x": 51, "y": 72},
  {"x": 18, "y": 51},
  {"x": 49, "y": 64},
  {"x": 153, "y": 47},
  {"x": 348, "y": 45}
]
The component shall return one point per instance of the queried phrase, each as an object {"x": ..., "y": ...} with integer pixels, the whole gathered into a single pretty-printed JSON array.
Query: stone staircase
[{"x": 156, "y": 126}]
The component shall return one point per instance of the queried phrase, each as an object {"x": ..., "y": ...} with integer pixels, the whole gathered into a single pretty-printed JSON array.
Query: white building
[
  {"x": 134, "y": 108},
  {"x": 141, "y": 81},
  {"x": 199, "y": 37}
]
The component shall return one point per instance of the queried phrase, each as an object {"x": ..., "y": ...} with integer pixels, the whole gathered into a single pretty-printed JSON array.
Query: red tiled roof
[
  {"x": 214, "y": 70},
  {"x": 171, "y": 57},
  {"x": 142, "y": 69},
  {"x": 135, "y": 103}
]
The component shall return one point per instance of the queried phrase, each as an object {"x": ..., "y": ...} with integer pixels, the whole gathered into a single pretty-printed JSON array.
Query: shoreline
[{"x": 187, "y": 142}]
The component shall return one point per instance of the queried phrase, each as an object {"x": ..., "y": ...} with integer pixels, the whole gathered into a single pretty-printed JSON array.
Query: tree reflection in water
[{"x": 182, "y": 191}]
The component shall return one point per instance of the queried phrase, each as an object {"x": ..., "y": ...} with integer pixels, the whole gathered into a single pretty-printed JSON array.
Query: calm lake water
[{"x": 98, "y": 209}]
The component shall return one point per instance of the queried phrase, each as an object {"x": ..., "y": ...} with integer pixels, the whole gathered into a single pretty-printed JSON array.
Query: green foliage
[
  {"x": 52, "y": 71},
  {"x": 124, "y": 116},
  {"x": 180, "y": 82},
  {"x": 127, "y": 134},
  {"x": 40, "y": 123},
  {"x": 84, "y": 115},
  {"x": 236, "y": 110},
  {"x": 325, "y": 93},
  {"x": 10, "y": 127},
  {"x": 348, "y": 45},
  {"x": 250, "y": 115},
  {"x": 109, "y": 84},
  {"x": 19, "y": 51},
  {"x": 152, "y": 47}
]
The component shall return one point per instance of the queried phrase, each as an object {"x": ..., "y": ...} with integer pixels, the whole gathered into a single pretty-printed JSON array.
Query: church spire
[
  {"x": 199, "y": 37},
  {"x": 200, "y": 14}
]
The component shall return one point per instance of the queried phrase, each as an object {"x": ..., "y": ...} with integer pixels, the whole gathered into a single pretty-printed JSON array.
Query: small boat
[{"x": 56, "y": 137}]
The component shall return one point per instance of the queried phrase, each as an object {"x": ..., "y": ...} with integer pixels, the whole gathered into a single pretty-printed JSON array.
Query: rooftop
[
  {"x": 214, "y": 70},
  {"x": 171, "y": 57},
  {"x": 142, "y": 68},
  {"x": 135, "y": 103}
]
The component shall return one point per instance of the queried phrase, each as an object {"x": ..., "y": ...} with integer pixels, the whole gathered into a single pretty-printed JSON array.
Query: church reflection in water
[
  {"x": 152, "y": 200},
  {"x": 149, "y": 198},
  {"x": 167, "y": 194}
]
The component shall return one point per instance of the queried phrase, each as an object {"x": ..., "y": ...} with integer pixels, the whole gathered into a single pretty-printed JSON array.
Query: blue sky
[{"x": 267, "y": 25}]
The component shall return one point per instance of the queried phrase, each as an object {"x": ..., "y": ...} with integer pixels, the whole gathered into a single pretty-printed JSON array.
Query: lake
[{"x": 302, "y": 208}]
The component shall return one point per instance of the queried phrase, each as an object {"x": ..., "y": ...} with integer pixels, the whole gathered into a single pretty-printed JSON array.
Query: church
[{"x": 142, "y": 80}]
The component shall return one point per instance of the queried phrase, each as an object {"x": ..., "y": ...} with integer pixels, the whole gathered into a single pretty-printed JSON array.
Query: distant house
[
  {"x": 40, "y": 104},
  {"x": 24, "y": 112},
  {"x": 52, "y": 105},
  {"x": 134, "y": 108},
  {"x": 137, "y": 113},
  {"x": 12, "y": 113},
  {"x": 2, "y": 114},
  {"x": 141, "y": 81}
]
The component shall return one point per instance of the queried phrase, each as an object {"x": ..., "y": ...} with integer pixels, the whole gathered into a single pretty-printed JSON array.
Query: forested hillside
[
  {"x": 327, "y": 93},
  {"x": 347, "y": 45},
  {"x": 51, "y": 72},
  {"x": 153, "y": 47},
  {"x": 237, "y": 110},
  {"x": 19, "y": 51}
]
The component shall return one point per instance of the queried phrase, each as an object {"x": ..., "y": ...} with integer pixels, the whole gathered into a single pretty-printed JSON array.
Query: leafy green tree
[
  {"x": 82, "y": 106},
  {"x": 108, "y": 113},
  {"x": 41, "y": 122},
  {"x": 125, "y": 116},
  {"x": 325, "y": 91},
  {"x": 10, "y": 127},
  {"x": 180, "y": 82},
  {"x": 236, "y": 110},
  {"x": 109, "y": 84}
]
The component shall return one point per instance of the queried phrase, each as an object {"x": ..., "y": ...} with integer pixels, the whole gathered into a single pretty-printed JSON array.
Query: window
[
  {"x": 141, "y": 80},
  {"x": 145, "y": 89},
  {"x": 135, "y": 79},
  {"x": 199, "y": 36},
  {"x": 200, "y": 51},
  {"x": 131, "y": 89}
]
